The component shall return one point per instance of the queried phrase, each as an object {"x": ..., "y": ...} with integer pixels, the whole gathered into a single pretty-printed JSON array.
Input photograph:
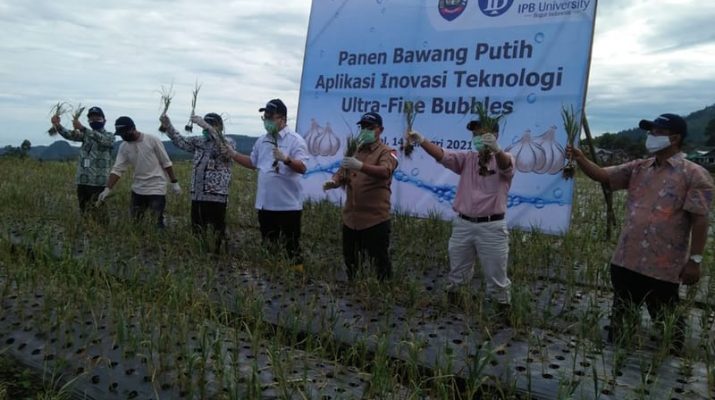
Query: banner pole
[{"x": 607, "y": 192}]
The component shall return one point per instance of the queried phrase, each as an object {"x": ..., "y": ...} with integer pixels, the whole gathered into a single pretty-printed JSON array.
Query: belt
[{"x": 476, "y": 220}]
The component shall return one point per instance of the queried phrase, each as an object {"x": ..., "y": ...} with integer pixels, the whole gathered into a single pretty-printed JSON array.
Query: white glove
[
  {"x": 200, "y": 121},
  {"x": 331, "y": 184},
  {"x": 351, "y": 163},
  {"x": 490, "y": 142},
  {"x": 415, "y": 137},
  {"x": 176, "y": 188},
  {"x": 103, "y": 196},
  {"x": 278, "y": 155}
]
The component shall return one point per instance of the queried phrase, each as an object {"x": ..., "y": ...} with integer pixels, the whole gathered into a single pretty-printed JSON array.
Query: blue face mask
[
  {"x": 366, "y": 136},
  {"x": 96, "y": 125},
  {"x": 477, "y": 143}
]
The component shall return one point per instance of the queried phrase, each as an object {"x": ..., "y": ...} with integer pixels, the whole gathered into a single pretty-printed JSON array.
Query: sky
[{"x": 649, "y": 57}]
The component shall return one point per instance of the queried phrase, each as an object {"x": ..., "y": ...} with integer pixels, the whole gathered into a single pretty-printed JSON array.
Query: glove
[
  {"x": 490, "y": 142},
  {"x": 351, "y": 163},
  {"x": 165, "y": 121},
  {"x": 415, "y": 137},
  {"x": 278, "y": 155},
  {"x": 103, "y": 196},
  {"x": 331, "y": 184},
  {"x": 55, "y": 120},
  {"x": 176, "y": 188},
  {"x": 200, "y": 121}
]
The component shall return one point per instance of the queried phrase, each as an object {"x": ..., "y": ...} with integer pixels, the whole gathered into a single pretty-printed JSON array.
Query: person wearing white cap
[{"x": 665, "y": 230}]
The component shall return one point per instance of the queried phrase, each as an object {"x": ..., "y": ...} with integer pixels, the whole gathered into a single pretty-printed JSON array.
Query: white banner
[{"x": 525, "y": 59}]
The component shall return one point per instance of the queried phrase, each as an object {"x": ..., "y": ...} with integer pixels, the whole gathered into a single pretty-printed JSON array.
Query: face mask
[
  {"x": 96, "y": 125},
  {"x": 270, "y": 126},
  {"x": 366, "y": 136},
  {"x": 656, "y": 143},
  {"x": 127, "y": 137},
  {"x": 477, "y": 143}
]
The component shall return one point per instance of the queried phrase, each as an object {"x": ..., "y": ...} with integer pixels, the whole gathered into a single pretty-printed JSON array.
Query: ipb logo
[
  {"x": 494, "y": 8},
  {"x": 451, "y": 9}
]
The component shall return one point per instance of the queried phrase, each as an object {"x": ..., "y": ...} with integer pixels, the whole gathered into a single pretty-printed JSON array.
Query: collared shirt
[
  {"x": 368, "y": 198},
  {"x": 478, "y": 195},
  {"x": 95, "y": 154},
  {"x": 211, "y": 171},
  {"x": 148, "y": 157},
  {"x": 279, "y": 190},
  {"x": 655, "y": 239}
]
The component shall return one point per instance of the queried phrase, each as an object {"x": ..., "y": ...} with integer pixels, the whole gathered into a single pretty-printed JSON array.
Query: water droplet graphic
[
  {"x": 539, "y": 37},
  {"x": 372, "y": 29},
  {"x": 415, "y": 171},
  {"x": 516, "y": 201},
  {"x": 558, "y": 193},
  {"x": 322, "y": 53},
  {"x": 539, "y": 204},
  {"x": 531, "y": 98},
  {"x": 425, "y": 43}
]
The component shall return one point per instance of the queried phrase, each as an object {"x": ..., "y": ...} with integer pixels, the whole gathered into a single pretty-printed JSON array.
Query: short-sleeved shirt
[
  {"x": 479, "y": 195},
  {"x": 655, "y": 239},
  {"x": 148, "y": 157},
  {"x": 281, "y": 189},
  {"x": 368, "y": 198},
  {"x": 211, "y": 171},
  {"x": 95, "y": 155}
]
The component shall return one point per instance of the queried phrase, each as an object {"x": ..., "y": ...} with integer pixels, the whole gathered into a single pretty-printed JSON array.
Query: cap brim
[{"x": 646, "y": 125}]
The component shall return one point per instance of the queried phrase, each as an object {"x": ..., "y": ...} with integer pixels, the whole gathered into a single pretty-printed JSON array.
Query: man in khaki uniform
[{"x": 366, "y": 215}]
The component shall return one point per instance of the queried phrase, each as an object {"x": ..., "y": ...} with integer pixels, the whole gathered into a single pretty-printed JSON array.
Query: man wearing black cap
[
  {"x": 279, "y": 156},
  {"x": 664, "y": 234},
  {"x": 367, "y": 177},
  {"x": 210, "y": 173},
  {"x": 151, "y": 165},
  {"x": 95, "y": 155}
]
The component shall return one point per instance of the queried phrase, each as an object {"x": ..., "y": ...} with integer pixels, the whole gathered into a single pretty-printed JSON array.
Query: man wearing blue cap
[
  {"x": 95, "y": 154},
  {"x": 367, "y": 177},
  {"x": 664, "y": 234}
]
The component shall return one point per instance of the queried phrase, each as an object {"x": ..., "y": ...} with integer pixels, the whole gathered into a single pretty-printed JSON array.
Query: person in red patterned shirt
[{"x": 665, "y": 228}]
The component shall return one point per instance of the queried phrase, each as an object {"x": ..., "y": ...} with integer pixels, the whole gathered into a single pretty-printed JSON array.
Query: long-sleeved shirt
[
  {"x": 148, "y": 157},
  {"x": 95, "y": 154},
  {"x": 211, "y": 171}
]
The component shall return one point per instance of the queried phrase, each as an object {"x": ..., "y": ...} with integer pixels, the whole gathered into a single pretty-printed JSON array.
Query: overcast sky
[{"x": 649, "y": 57}]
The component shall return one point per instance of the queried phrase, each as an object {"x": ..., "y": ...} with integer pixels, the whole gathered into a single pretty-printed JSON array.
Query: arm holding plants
[
  {"x": 591, "y": 169},
  {"x": 337, "y": 180},
  {"x": 503, "y": 159},
  {"x": 73, "y": 135},
  {"x": 179, "y": 140},
  {"x": 295, "y": 162},
  {"x": 225, "y": 149},
  {"x": 432, "y": 149},
  {"x": 376, "y": 171}
]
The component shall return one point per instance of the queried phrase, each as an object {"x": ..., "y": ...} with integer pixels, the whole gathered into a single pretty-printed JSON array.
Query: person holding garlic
[{"x": 485, "y": 176}]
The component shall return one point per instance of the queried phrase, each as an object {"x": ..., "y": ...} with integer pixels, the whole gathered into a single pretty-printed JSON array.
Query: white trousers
[{"x": 489, "y": 241}]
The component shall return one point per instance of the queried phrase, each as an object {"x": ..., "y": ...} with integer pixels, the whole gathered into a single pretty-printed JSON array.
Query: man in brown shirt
[{"x": 366, "y": 177}]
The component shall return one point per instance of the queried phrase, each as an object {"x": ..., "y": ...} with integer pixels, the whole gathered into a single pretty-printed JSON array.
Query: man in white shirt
[
  {"x": 151, "y": 165},
  {"x": 279, "y": 156}
]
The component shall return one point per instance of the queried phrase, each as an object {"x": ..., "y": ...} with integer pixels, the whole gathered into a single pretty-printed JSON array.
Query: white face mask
[{"x": 656, "y": 143}]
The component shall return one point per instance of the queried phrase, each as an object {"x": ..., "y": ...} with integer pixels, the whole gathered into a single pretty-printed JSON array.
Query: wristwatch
[
  {"x": 288, "y": 161},
  {"x": 696, "y": 258}
]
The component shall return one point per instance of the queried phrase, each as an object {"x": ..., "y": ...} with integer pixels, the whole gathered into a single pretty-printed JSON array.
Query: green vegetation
[{"x": 159, "y": 288}]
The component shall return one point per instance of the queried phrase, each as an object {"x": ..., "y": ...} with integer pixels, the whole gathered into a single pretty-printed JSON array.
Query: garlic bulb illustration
[
  {"x": 327, "y": 143},
  {"x": 313, "y": 133},
  {"x": 529, "y": 155},
  {"x": 555, "y": 154}
]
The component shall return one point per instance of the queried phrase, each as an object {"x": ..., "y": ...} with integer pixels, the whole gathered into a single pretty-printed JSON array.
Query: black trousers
[
  {"x": 631, "y": 290},
  {"x": 154, "y": 203},
  {"x": 87, "y": 196},
  {"x": 282, "y": 226},
  {"x": 206, "y": 215},
  {"x": 368, "y": 246}
]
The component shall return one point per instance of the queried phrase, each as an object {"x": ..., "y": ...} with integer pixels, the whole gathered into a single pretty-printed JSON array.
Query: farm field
[{"x": 120, "y": 310}]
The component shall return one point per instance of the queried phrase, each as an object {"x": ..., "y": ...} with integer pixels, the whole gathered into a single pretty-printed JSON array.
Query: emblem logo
[
  {"x": 494, "y": 8},
  {"x": 451, "y": 9}
]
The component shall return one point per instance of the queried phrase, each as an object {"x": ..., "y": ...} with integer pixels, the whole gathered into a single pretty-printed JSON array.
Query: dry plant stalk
[
  {"x": 572, "y": 126},
  {"x": 410, "y": 115},
  {"x": 58, "y": 110},
  {"x": 194, "y": 95},
  {"x": 166, "y": 95},
  {"x": 77, "y": 111},
  {"x": 488, "y": 124}
]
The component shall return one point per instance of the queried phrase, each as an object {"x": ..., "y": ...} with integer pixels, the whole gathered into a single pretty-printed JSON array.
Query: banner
[{"x": 524, "y": 59}]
